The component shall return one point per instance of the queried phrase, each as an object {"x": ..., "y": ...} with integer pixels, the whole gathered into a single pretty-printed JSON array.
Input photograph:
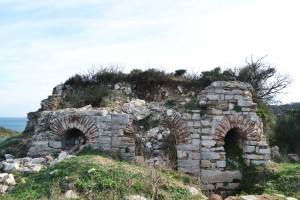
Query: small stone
[
  {"x": 3, "y": 188},
  {"x": 193, "y": 190},
  {"x": 70, "y": 194},
  {"x": 169, "y": 112},
  {"x": 8, "y": 156},
  {"x": 134, "y": 197},
  {"x": 249, "y": 197},
  {"x": 9, "y": 180},
  {"x": 37, "y": 168},
  {"x": 91, "y": 170}
]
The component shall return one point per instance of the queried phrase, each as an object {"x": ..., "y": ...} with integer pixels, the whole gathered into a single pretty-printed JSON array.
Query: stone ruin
[{"x": 226, "y": 114}]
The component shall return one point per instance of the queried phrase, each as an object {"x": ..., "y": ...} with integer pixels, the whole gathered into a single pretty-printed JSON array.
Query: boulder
[
  {"x": 294, "y": 157},
  {"x": 275, "y": 152},
  {"x": 136, "y": 109},
  {"x": 10, "y": 167},
  {"x": 9, "y": 179}
]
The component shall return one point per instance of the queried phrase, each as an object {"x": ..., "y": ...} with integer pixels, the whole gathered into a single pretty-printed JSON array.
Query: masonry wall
[
  {"x": 103, "y": 130},
  {"x": 223, "y": 106}
]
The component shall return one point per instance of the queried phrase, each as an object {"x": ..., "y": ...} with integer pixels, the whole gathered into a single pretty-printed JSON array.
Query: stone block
[
  {"x": 106, "y": 118},
  {"x": 206, "y": 131},
  {"x": 197, "y": 124},
  {"x": 205, "y": 123},
  {"x": 195, "y": 155},
  {"x": 189, "y": 124},
  {"x": 231, "y": 106},
  {"x": 236, "y": 91},
  {"x": 196, "y": 116},
  {"x": 249, "y": 149},
  {"x": 123, "y": 119},
  {"x": 208, "y": 142},
  {"x": 210, "y": 187},
  {"x": 186, "y": 116},
  {"x": 228, "y": 97},
  {"x": 216, "y": 111},
  {"x": 259, "y": 162},
  {"x": 188, "y": 147},
  {"x": 255, "y": 118},
  {"x": 188, "y": 163},
  {"x": 228, "y": 186},
  {"x": 55, "y": 144},
  {"x": 221, "y": 164},
  {"x": 195, "y": 141},
  {"x": 264, "y": 151},
  {"x": 212, "y": 96},
  {"x": 237, "y": 97},
  {"x": 205, "y": 163},
  {"x": 205, "y": 137},
  {"x": 216, "y": 176},
  {"x": 210, "y": 155},
  {"x": 250, "y": 142},
  {"x": 253, "y": 157},
  {"x": 182, "y": 154},
  {"x": 195, "y": 136},
  {"x": 246, "y": 109}
]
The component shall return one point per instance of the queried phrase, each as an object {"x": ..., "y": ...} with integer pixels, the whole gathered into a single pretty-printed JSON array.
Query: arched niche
[{"x": 72, "y": 140}]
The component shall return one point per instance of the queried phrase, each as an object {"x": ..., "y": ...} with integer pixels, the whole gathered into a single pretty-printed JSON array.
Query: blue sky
[{"x": 45, "y": 42}]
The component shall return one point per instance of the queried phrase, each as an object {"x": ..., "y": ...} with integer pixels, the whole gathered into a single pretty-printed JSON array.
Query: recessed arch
[
  {"x": 71, "y": 122},
  {"x": 249, "y": 129}
]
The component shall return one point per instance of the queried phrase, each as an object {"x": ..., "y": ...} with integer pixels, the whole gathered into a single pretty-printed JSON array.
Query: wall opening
[
  {"x": 233, "y": 148},
  {"x": 72, "y": 140}
]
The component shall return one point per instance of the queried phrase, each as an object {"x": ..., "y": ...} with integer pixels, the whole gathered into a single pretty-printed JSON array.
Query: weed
[
  {"x": 192, "y": 104},
  {"x": 170, "y": 103},
  {"x": 237, "y": 108}
]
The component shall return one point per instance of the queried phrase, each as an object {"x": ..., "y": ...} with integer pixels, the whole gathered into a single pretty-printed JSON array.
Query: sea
[{"x": 13, "y": 123}]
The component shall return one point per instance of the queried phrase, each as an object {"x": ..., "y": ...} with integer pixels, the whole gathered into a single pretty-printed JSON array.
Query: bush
[{"x": 287, "y": 131}]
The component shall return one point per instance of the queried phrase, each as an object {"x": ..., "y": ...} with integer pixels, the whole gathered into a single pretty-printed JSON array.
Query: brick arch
[
  {"x": 84, "y": 124},
  {"x": 249, "y": 129}
]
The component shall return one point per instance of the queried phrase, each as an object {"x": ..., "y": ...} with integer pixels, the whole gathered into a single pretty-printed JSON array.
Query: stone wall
[
  {"x": 200, "y": 133},
  {"x": 101, "y": 129}
]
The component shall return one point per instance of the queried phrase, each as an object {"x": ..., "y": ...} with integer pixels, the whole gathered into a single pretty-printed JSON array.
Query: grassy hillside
[
  {"x": 94, "y": 176},
  {"x": 277, "y": 178},
  {"x": 5, "y": 133}
]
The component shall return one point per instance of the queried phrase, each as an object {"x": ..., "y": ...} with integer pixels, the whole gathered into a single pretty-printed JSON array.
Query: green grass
[
  {"x": 277, "y": 178},
  {"x": 111, "y": 179},
  {"x": 15, "y": 145},
  {"x": 5, "y": 133}
]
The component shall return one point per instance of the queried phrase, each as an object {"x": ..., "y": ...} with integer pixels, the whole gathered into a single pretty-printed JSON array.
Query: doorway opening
[
  {"x": 234, "y": 148},
  {"x": 72, "y": 140}
]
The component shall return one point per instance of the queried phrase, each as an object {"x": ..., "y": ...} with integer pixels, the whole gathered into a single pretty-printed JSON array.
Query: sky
[{"x": 44, "y": 42}]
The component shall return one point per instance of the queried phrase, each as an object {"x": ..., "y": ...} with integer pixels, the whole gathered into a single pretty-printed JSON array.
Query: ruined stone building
[{"x": 224, "y": 115}]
